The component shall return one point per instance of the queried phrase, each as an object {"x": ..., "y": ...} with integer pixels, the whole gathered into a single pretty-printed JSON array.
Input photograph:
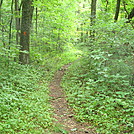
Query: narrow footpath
[{"x": 62, "y": 112}]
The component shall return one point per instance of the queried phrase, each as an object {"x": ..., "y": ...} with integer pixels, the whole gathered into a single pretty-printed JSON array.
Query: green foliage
[
  {"x": 58, "y": 128},
  {"x": 100, "y": 97},
  {"x": 24, "y": 96},
  {"x": 24, "y": 100},
  {"x": 55, "y": 26},
  {"x": 100, "y": 85}
]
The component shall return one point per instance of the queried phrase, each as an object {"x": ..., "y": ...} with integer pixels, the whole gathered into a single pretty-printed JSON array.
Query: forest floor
[{"x": 62, "y": 112}]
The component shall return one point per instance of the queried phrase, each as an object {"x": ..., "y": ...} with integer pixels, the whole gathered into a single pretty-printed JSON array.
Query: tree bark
[
  {"x": 36, "y": 21},
  {"x": 106, "y": 5},
  {"x": 17, "y": 20},
  {"x": 27, "y": 13},
  {"x": 131, "y": 14},
  {"x": 0, "y": 8},
  {"x": 117, "y": 10},
  {"x": 10, "y": 24},
  {"x": 93, "y": 17},
  {"x": 1, "y": 3}
]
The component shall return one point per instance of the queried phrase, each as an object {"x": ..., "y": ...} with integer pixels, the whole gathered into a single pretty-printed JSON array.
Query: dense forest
[{"x": 38, "y": 37}]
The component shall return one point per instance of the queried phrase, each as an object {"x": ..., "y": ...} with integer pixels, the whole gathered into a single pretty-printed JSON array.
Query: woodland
[{"x": 39, "y": 37}]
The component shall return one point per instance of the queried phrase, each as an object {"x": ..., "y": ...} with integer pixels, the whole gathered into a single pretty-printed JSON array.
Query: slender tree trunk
[
  {"x": 27, "y": 13},
  {"x": 117, "y": 10},
  {"x": 128, "y": 14},
  {"x": 124, "y": 4},
  {"x": 131, "y": 14},
  {"x": 17, "y": 20},
  {"x": 106, "y": 5},
  {"x": 2, "y": 30},
  {"x": 81, "y": 34},
  {"x": 93, "y": 17},
  {"x": 0, "y": 8},
  {"x": 17, "y": 24},
  {"x": 1, "y": 3},
  {"x": 36, "y": 20},
  {"x": 10, "y": 28}
]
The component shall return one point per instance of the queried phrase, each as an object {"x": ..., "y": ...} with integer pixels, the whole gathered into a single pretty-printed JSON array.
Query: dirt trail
[{"x": 62, "y": 112}]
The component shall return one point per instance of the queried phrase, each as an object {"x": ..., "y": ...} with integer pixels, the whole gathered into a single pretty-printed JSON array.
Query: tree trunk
[
  {"x": 36, "y": 21},
  {"x": 27, "y": 13},
  {"x": 117, "y": 10},
  {"x": 0, "y": 9},
  {"x": 131, "y": 15},
  {"x": 106, "y": 5},
  {"x": 10, "y": 24},
  {"x": 17, "y": 20},
  {"x": 93, "y": 17},
  {"x": 1, "y": 3}
]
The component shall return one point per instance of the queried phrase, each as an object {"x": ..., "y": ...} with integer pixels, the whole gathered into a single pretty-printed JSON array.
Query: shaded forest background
[{"x": 37, "y": 37}]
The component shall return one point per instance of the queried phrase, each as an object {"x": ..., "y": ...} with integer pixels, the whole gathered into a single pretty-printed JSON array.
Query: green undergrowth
[
  {"x": 100, "y": 96},
  {"x": 52, "y": 61},
  {"x": 24, "y": 94},
  {"x": 24, "y": 100}
]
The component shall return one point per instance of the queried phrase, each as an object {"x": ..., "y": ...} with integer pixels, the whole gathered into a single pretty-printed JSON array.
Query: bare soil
[{"x": 63, "y": 114}]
